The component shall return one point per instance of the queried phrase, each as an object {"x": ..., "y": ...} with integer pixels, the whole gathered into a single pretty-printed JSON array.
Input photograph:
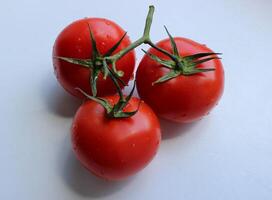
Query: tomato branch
[{"x": 145, "y": 39}]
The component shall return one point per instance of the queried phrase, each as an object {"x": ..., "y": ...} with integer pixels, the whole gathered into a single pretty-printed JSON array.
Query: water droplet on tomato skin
[
  {"x": 74, "y": 127},
  {"x": 148, "y": 139},
  {"x": 103, "y": 43},
  {"x": 133, "y": 145},
  {"x": 207, "y": 105},
  {"x": 76, "y": 140},
  {"x": 108, "y": 23}
]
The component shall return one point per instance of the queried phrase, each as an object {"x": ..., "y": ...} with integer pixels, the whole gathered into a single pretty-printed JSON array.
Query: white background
[{"x": 225, "y": 156}]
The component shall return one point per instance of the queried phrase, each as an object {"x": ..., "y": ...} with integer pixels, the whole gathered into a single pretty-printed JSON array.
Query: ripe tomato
[
  {"x": 115, "y": 148},
  {"x": 185, "y": 98},
  {"x": 75, "y": 42}
]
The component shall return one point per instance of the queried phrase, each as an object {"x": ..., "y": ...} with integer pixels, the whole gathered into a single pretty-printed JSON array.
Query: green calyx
[
  {"x": 96, "y": 64},
  {"x": 116, "y": 110},
  {"x": 179, "y": 65}
]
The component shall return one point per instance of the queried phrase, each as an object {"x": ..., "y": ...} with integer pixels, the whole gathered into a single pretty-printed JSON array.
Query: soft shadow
[
  {"x": 81, "y": 181},
  {"x": 57, "y": 99},
  {"x": 171, "y": 129}
]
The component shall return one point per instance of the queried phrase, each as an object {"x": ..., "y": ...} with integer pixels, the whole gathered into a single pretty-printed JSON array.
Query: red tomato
[
  {"x": 184, "y": 98},
  {"x": 115, "y": 148},
  {"x": 75, "y": 42}
]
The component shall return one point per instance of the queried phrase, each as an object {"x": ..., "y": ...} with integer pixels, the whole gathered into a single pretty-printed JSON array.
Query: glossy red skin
[
  {"x": 184, "y": 98},
  {"x": 74, "y": 42},
  {"x": 114, "y": 149}
]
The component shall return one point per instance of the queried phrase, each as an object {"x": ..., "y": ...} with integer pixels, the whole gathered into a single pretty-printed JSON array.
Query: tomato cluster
[{"x": 113, "y": 135}]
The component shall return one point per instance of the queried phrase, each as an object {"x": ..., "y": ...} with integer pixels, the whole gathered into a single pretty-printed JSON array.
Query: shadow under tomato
[
  {"x": 81, "y": 181},
  {"x": 57, "y": 99},
  {"x": 171, "y": 129}
]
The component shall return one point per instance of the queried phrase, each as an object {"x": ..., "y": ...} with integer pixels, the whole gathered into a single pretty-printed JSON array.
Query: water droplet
[
  {"x": 74, "y": 127},
  {"x": 108, "y": 23},
  {"x": 133, "y": 145},
  {"x": 103, "y": 43}
]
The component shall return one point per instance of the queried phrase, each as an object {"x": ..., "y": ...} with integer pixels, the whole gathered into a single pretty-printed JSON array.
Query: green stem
[
  {"x": 114, "y": 80},
  {"x": 144, "y": 39},
  {"x": 148, "y": 22},
  {"x": 123, "y": 52},
  {"x": 119, "y": 90}
]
